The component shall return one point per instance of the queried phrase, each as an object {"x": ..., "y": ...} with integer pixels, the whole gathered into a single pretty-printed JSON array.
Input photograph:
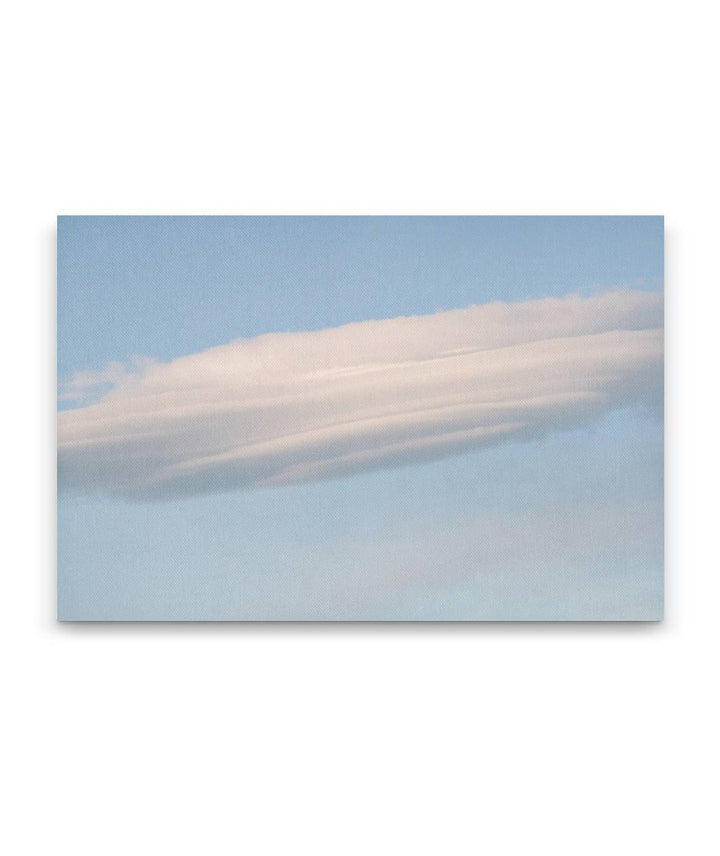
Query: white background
[{"x": 500, "y": 739}]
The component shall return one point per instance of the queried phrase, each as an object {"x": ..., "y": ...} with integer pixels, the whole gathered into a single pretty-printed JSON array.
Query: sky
[{"x": 442, "y": 418}]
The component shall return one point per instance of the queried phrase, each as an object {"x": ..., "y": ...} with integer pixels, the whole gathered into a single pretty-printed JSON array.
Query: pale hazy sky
[{"x": 443, "y": 458}]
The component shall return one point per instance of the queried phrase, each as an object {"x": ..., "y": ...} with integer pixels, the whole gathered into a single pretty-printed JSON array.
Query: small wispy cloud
[
  {"x": 292, "y": 407},
  {"x": 86, "y": 385}
]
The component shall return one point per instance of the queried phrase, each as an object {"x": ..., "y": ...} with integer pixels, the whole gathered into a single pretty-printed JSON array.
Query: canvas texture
[{"x": 360, "y": 418}]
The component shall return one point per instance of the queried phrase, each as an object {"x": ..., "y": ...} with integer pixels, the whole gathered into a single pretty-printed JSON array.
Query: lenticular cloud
[{"x": 291, "y": 407}]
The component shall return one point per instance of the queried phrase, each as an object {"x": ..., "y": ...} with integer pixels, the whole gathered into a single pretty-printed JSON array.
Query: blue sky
[{"x": 565, "y": 525}]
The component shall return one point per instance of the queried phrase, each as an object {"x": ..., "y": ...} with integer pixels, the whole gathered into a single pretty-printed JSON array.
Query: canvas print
[{"x": 360, "y": 418}]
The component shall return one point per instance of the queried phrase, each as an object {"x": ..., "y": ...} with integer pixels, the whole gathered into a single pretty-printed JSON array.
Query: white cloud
[{"x": 289, "y": 407}]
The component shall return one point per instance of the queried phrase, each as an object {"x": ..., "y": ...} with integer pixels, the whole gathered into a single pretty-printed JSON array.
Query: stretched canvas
[{"x": 360, "y": 418}]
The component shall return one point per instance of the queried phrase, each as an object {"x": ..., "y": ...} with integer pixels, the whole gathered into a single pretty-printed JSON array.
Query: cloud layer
[{"x": 292, "y": 407}]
